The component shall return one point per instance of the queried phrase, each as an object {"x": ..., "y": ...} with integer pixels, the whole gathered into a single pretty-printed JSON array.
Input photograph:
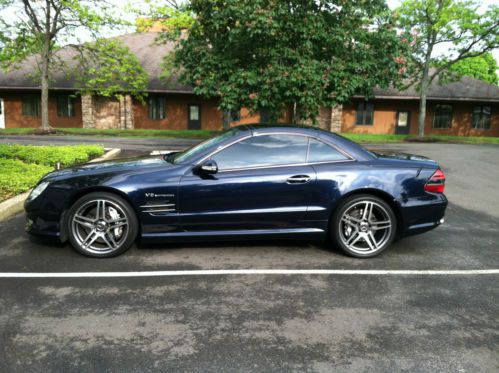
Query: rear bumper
[{"x": 423, "y": 216}]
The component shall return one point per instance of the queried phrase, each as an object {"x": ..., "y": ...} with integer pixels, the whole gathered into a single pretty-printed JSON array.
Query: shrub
[
  {"x": 17, "y": 177},
  {"x": 51, "y": 155},
  {"x": 21, "y": 166}
]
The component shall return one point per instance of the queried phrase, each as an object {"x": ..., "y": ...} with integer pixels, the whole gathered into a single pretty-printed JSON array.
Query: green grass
[
  {"x": 17, "y": 177},
  {"x": 202, "y": 134},
  {"x": 375, "y": 138},
  {"x": 21, "y": 166},
  {"x": 370, "y": 138},
  {"x": 195, "y": 134}
]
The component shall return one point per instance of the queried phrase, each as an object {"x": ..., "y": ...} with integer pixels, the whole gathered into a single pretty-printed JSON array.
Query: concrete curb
[
  {"x": 109, "y": 154},
  {"x": 15, "y": 205}
]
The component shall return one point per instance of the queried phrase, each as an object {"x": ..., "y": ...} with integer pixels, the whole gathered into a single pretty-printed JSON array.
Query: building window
[
  {"x": 442, "y": 116},
  {"x": 264, "y": 116},
  {"x": 234, "y": 115},
  {"x": 31, "y": 105},
  {"x": 365, "y": 114},
  {"x": 65, "y": 106},
  {"x": 157, "y": 107},
  {"x": 481, "y": 117}
]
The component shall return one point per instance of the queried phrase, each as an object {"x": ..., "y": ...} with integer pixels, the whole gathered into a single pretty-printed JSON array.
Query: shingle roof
[
  {"x": 465, "y": 89},
  {"x": 151, "y": 55}
]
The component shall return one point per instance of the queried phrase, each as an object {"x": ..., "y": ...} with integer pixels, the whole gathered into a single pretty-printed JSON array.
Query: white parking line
[{"x": 376, "y": 272}]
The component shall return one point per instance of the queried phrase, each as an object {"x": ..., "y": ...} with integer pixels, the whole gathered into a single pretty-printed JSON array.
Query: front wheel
[
  {"x": 102, "y": 225},
  {"x": 363, "y": 226}
]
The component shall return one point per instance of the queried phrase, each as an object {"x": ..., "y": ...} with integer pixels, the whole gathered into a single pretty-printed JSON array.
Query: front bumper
[{"x": 45, "y": 216}]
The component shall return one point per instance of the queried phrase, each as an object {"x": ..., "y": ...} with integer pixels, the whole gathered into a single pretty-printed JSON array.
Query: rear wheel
[
  {"x": 363, "y": 226},
  {"x": 102, "y": 225}
]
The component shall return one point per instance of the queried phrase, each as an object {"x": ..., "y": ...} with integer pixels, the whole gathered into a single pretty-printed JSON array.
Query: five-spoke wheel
[
  {"x": 363, "y": 226},
  {"x": 102, "y": 225}
]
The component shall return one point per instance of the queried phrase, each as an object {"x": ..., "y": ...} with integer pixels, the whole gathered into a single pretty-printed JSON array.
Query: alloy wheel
[
  {"x": 365, "y": 227},
  {"x": 100, "y": 226}
]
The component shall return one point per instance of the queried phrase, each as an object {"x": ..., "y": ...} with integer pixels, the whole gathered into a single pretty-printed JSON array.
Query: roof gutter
[{"x": 433, "y": 98}]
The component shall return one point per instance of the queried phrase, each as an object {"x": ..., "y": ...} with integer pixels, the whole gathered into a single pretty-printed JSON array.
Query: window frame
[
  {"x": 481, "y": 106},
  {"x": 435, "y": 115},
  {"x": 157, "y": 99},
  {"x": 70, "y": 105},
  {"x": 364, "y": 103},
  {"x": 36, "y": 98},
  {"x": 306, "y": 163}
]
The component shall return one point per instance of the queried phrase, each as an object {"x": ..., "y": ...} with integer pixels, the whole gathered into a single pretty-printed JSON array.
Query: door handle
[{"x": 298, "y": 179}]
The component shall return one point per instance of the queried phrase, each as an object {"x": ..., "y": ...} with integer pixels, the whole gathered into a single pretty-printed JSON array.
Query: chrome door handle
[{"x": 298, "y": 179}]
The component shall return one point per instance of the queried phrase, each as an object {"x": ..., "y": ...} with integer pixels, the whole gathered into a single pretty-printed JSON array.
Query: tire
[
  {"x": 363, "y": 226},
  {"x": 102, "y": 225}
]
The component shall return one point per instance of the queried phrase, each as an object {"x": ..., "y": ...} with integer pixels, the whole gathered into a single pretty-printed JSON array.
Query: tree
[
  {"x": 482, "y": 67},
  {"x": 456, "y": 25},
  {"x": 271, "y": 55},
  {"x": 36, "y": 29}
]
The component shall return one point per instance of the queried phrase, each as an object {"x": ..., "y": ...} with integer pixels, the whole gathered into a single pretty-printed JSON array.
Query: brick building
[{"x": 466, "y": 107}]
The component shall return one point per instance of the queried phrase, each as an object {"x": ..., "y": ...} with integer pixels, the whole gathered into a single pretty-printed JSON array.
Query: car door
[{"x": 263, "y": 182}]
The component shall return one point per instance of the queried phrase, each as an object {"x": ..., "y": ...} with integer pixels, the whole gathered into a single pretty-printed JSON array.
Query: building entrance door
[
  {"x": 403, "y": 124},
  {"x": 194, "y": 117}
]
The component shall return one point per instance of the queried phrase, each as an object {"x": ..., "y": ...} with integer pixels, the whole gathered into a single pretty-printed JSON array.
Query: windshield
[{"x": 191, "y": 153}]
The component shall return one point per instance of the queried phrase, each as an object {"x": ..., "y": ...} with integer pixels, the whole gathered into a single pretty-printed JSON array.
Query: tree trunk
[
  {"x": 422, "y": 107},
  {"x": 45, "y": 96},
  {"x": 46, "y": 57}
]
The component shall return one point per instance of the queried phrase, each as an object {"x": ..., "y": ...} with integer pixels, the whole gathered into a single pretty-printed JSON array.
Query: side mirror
[{"x": 209, "y": 167}]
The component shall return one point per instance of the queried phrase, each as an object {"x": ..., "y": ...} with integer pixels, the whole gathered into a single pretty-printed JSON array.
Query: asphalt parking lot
[{"x": 269, "y": 322}]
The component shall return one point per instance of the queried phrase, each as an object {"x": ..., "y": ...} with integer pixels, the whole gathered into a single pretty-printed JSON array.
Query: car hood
[{"x": 117, "y": 166}]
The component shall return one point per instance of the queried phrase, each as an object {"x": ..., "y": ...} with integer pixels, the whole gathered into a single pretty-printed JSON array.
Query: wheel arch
[
  {"x": 76, "y": 196},
  {"x": 386, "y": 197}
]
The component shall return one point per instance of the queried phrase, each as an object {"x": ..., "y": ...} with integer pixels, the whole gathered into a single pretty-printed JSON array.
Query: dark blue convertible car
[{"x": 251, "y": 182}]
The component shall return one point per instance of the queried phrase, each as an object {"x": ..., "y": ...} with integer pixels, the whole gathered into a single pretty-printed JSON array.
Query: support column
[
  {"x": 126, "y": 112},
  {"x": 336, "y": 118},
  {"x": 87, "y": 111},
  {"x": 129, "y": 114}
]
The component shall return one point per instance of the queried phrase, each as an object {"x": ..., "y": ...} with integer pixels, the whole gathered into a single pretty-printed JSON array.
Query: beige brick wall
[
  {"x": 329, "y": 118},
  {"x": 107, "y": 112}
]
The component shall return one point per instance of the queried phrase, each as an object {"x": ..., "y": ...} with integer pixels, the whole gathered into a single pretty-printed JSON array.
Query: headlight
[{"x": 38, "y": 190}]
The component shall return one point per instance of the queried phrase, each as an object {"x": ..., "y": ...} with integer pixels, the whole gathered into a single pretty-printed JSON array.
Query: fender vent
[{"x": 157, "y": 209}]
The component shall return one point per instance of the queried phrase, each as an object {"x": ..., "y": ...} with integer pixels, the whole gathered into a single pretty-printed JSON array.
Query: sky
[
  {"x": 121, "y": 5},
  {"x": 442, "y": 48}
]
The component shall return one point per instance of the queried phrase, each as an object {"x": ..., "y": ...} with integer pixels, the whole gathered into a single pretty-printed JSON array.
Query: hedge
[
  {"x": 17, "y": 177},
  {"x": 51, "y": 155},
  {"x": 21, "y": 166}
]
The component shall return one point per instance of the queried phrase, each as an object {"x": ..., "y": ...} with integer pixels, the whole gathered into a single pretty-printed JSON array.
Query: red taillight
[{"x": 436, "y": 184}]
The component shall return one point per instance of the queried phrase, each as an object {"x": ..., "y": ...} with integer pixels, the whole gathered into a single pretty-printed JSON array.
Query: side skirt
[{"x": 256, "y": 234}]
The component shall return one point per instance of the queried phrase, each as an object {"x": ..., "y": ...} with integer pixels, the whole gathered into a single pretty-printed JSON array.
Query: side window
[
  {"x": 66, "y": 106},
  {"x": 31, "y": 105},
  {"x": 322, "y": 152},
  {"x": 266, "y": 150},
  {"x": 481, "y": 117},
  {"x": 157, "y": 107},
  {"x": 365, "y": 114},
  {"x": 442, "y": 116}
]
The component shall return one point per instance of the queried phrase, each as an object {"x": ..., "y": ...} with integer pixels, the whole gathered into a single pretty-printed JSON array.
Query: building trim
[{"x": 431, "y": 98}]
